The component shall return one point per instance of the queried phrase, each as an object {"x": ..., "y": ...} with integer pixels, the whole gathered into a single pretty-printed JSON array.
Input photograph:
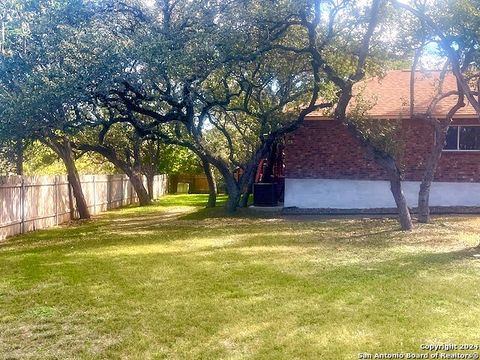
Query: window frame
[{"x": 458, "y": 139}]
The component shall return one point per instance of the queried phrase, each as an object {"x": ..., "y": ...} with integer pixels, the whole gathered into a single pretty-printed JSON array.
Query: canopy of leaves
[{"x": 221, "y": 77}]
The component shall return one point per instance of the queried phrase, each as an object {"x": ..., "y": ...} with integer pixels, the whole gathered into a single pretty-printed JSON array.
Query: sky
[{"x": 431, "y": 59}]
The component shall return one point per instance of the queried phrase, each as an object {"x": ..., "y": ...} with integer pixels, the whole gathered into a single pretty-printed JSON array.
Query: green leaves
[{"x": 225, "y": 77}]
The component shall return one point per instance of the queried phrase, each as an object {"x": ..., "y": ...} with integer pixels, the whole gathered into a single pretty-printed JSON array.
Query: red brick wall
[
  {"x": 325, "y": 149},
  {"x": 418, "y": 139}
]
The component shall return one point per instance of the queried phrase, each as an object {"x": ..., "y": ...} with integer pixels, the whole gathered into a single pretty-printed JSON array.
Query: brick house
[{"x": 326, "y": 168}]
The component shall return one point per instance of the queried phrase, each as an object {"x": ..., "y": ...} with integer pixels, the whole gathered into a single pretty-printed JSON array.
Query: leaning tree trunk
[
  {"x": 66, "y": 154},
  {"x": 396, "y": 187},
  {"x": 134, "y": 175},
  {"x": 232, "y": 185},
  {"x": 74, "y": 181},
  {"x": 136, "y": 179},
  {"x": 395, "y": 178},
  {"x": 387, "y": 162},
  {"x": 429, "y": 173},
  {"x": 212, "y": 184}
]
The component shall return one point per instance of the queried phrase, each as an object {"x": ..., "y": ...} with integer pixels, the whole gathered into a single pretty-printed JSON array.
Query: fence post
[
  {"x": 22, "y": 205},
  {"x": 155, "y": 188},
  {"x": 70, "y": 200},
  {"x": 109, "y": 191},
  {"x": 123, "y": 192},
  {"x": 94, "y": 195},
  {"x": 55, "y": 195},
  {"x": 131, "y": 192}
]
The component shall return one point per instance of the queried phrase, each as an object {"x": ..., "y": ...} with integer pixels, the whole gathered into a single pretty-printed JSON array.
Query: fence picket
[{"x": 43, "y": 200}]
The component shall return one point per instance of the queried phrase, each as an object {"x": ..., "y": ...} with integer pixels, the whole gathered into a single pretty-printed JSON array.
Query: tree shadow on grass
[
  {"x": 163, "y": 223},
  {"x": 184, "y": 271}
]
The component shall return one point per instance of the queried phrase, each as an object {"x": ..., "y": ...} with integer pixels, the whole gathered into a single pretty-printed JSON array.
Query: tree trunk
[
  {"x": 150, "y": 181},
  {"x": 387, "y": 162},
  {"x": 133, "y": 174},
  {"x": 231, "y": 183},
  {"x": 400, "y": 200},
  {"x": 66, "y": 154},
  {"x": 233, "y": 199},
  {"x": 424, "y": 200},
  {"x": 234, "y": 194},
  {"x": 248, "y": 190},
  {"x": 82, "y": 207},
  {"x": 136, "y": 179},
  {"x": 245, "y": 197},
  {"x": 234, "y": 187},
  {"x": 429, "y": 173},
  {"x": 212, "y": 184}
]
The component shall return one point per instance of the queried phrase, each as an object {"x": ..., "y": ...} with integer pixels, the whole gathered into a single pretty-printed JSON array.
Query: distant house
[{"x": 326, "y": 168}]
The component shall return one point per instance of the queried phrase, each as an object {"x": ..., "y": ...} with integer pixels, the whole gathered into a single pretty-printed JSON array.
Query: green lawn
[{"x": 176, "y": 282}]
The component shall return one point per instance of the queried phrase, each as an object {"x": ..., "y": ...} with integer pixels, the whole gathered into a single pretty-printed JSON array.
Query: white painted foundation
[{"x": 366, "y": 194}]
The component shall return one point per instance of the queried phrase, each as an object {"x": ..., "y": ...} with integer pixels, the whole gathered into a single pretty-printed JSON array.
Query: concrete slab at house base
[
  {"x": 266, "y": 209},
  {"x": 435, "y": 210},
  {"x": 375, "y": 196}
]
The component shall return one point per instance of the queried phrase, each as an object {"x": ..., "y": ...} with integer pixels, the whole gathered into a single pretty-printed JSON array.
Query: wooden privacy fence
[
  {"x": 198, "y": 183},
  {"x": 39, "y": 202}
]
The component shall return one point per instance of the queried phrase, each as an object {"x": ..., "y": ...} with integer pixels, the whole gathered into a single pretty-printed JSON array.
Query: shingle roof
[{"x": 390, "y": 95}]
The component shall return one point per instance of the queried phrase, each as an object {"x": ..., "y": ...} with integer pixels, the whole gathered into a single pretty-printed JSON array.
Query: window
[
  {"x": 452, "y": 138},
  {"x": 465, "y": 138},
  {"x": 469, "y": 138}
]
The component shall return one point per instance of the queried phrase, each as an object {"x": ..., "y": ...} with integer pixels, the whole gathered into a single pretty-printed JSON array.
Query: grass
[{"x": 172, "y": 281}]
